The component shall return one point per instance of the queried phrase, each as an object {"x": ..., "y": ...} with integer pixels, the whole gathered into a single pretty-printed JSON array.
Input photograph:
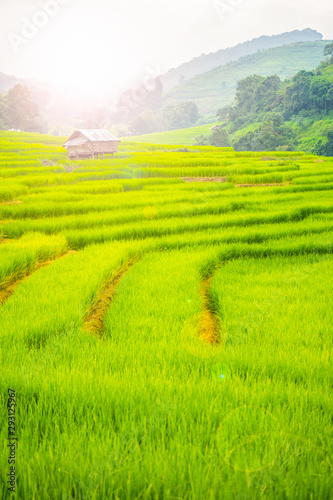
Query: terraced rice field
[{"x": 166, "y": 339}]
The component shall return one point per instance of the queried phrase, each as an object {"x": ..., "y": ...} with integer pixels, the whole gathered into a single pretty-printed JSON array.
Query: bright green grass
[
  {"x": 180, "y": 137},
  {"x": 22, "y": 256},
  {"x": 148, "y": 410},
  {"x": 148, "y": 400}
]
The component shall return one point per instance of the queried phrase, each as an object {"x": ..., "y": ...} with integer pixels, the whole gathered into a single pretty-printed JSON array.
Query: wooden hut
[{"x": 91, "y": 143}]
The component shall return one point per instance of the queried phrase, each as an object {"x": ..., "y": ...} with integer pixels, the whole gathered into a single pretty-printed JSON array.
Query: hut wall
[
  {"x": 83, "y": 149},
  {"x": 89, "y": 147},
  {"x": 105, "y": 147}
]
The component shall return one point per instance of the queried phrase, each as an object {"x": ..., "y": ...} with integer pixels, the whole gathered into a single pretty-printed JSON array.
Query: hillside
[
  {"x": 269, "y": 115},
  {"x": 206, "y": 62},
  {"x": 217, "y": 87}
]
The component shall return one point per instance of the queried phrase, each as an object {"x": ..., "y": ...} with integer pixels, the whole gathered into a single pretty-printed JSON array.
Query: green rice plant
[
  {"x": 13, "y": 163},
  {"x": 9, "y": 191},
  {"x": 20, "y": 257},
  {"x": 122, "y": 390},
  {"x": 313, "y": 179},
  {"x": 69, "y": 284},
  {"x": 14, "y": 172},
  {"x": 161, "y": 402},
  {"x": 309, "y": 187},
  {"x": 148, "y": 229},
  {"x": 157, "y": 212},
  {"x": 316, "y": 224}
]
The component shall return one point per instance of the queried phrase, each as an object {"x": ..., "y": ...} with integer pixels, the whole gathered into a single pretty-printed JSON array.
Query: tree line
[
  {"x": 182, "y": 115},
  {"x": 140, "y": 109}
]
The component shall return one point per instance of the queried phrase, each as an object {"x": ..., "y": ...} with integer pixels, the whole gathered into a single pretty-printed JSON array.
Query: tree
[
  {"x": 154, "y": 98},
  {"x": 245, "y": 95},
  {"x": 3, "y": 112},
  {"x": 220, "y": 139},
  {"x": 325, "y": 149},
  {"x": 182, "y": 115},
  {"x": 328, "y": 51},
  {"x": 298, "y": 96},
  {"x": 266, "y": 92},
  {"x": 144, "y": 123},
  {"x": 224, "y": 114},
  {"x": 202, "y": 140},
  {"x": 255, "y": 96},
  {"x": 268, "y": 137},
  {"x": 276, "y": 118},
  {"x": 22, "y": 112},
  {"x": 320, "y": 90}
]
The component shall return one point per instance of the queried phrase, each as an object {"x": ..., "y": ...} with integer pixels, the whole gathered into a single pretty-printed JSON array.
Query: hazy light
[
  {"x": 86, "y": 45},
  {"x": 86, "y": 54}
]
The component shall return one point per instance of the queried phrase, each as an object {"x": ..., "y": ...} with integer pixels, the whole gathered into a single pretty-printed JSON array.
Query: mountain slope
[
  {"x": 207, "y": 62},
  {"x": 217, "y": 87}
]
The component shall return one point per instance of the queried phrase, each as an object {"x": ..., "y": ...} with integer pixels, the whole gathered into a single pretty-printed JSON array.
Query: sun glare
[{"x": 88, "y": 57}]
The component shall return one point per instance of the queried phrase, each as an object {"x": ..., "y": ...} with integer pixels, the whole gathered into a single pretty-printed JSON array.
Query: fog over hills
[
  {"x": 217, "y": 87},
  {"x": 209, "y": 80},
  {"x": 206, "y": 62}
]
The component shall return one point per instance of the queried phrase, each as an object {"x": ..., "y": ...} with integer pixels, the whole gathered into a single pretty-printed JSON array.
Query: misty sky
[{"x": 92, "y": 40}]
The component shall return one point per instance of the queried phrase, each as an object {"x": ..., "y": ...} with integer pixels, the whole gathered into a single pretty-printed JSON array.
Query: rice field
[{"x": 166, "y": 339}]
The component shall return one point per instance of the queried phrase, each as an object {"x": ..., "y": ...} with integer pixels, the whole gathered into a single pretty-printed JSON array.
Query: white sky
[{"x": 85, "y": 42}]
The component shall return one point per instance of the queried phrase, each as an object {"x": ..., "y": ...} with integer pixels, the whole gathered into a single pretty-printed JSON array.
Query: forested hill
[
  {"x": 218, "y": 87},
  {"x": 206, "y": 62},
  {"x": 269, "y": 114}
]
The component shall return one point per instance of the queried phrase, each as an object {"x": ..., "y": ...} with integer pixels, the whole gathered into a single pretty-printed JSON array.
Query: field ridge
[{"x": 94, "y": 318}]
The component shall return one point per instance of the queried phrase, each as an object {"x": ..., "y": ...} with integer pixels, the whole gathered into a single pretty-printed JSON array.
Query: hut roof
[
  {"x": 98, "y": 135},
  {"x": 93, "y": 135}
]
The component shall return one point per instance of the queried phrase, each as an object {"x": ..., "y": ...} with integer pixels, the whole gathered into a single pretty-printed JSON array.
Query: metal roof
[
  {"x": 94, "y": 135},
  {"x": 99, "y": 135},
  {"x": 76, "y": 141}
]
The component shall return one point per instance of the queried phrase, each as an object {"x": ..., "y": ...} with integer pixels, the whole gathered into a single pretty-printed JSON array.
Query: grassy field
[
  {"x": 165, "y": 339},
  {"x": 182, "y": 136}
]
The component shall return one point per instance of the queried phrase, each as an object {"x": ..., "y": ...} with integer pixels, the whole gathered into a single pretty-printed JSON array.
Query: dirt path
[
  {"x": 263, "y": 185},
  {"x": 209, "y": 327},
  {"x": 94, "y": 319},
  {"x": 11, "y": 202},
  {"x": 204, "y": 179}
]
